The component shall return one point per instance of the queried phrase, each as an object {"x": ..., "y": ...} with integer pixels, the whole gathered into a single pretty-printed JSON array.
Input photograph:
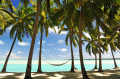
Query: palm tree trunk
[
  {"x": 84, "y": 73},
  {"x": 100, "y": 63},
  {"x": 115, "y": 64},
  {"x": 48, "y": 5},
  {"x": 95, "y": 62},
  {"x": 40, "y": 53},
  {"x": 28, "y": 70},
  {"x": 6, "y": 61},
  {"x": 72, "y": 56},
  {"x": 65, "y": 2}
]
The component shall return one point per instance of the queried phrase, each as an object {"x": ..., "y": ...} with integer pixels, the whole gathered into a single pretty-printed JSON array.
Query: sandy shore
[{"x": 107, "y": 74}]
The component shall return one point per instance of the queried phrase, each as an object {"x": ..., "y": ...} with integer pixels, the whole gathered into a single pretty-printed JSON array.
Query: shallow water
[{"x": 89, "y": 65}]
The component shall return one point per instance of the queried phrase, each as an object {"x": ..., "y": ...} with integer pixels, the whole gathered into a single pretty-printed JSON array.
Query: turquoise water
[{"x": 49, "y": 68}]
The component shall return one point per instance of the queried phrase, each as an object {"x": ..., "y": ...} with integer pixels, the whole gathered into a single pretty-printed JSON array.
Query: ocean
[{"x": 20, "y": 65}]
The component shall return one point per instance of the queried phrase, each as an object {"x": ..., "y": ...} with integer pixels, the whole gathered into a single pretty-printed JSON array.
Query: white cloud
[
  {"x": 87, "y": 35},
  {"x": 9, "y": 28},
  {"x": 19, "y": 52},
  {"x": 63, "y": 50},
  {"x": 63, "y": 33},
  {"x": 57, "y": 30},
  {"x": 39, "y": 42},
  {"x": 100, "y": 29},
  {"x": 65, "y": 56},
  {"x": 60, "y": 41},
  {"x": 1, "y": 42},
  {"x": 51, "y": 30},
  {"x": 12, "y": 56},
  {"x": 23, "y": 43}
]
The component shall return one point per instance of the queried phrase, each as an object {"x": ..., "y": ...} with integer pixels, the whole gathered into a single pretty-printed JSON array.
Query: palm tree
[
  {"x": 89, "y": 11},
  {"x": 115, "y": 64},
  {"x": 72, "y": 37},
  {"x": 80, "y": 27},
  {"x": 19, "y": 26},
  {"x": 95, "y": 62},
  {"x": 96, "y": 45},
  {"x": 68, "y": 17},
  {"x": 44, "y": 25},
  {"x": 100, "y": 63},
  {"x": 108, "y": 18},
  {"x": 112, "y": 21},
  {"x": 72, "y": 56},
  {"x": 103, "y": 46},
  {"x": 112, "y": 42},
  {"x": 68, "y": 21},
  {"x": 28, "y": 70},
  {"x": 40, "y": 52},
  {"x": 6, "y": 61},
  {"x": 100, "y": 57},
  {"x": 113, "y": 47},
  {"x": 91, "y": 47}
]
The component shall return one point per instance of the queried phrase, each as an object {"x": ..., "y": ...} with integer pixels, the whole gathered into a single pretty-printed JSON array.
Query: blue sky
[{"x": 53, "y": 47}]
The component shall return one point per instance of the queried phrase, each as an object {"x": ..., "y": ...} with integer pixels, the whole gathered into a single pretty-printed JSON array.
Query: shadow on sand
[{"x": 108, "y": 74}]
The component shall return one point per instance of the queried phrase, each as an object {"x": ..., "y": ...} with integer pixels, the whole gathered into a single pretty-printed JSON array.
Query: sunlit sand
[{"x": 107, "y": 74}]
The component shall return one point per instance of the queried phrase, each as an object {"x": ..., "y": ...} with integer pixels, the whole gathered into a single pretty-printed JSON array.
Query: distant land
[{"x": 97, "y": 59}]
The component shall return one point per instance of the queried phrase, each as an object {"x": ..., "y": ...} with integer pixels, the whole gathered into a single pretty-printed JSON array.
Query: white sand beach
[{"x": 107, "y": 74}]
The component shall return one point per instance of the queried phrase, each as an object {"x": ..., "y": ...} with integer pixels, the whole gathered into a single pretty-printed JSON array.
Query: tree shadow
[
  {"x": 59, "y": 75},
  {"x": 92, "y": 75},
  {"x": 109, "y": 74},
  {"x": 10, "y": 75},
  {"x": 112, "y": 76}
]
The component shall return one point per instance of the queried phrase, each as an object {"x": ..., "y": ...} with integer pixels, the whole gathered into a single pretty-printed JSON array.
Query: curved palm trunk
[
  {"x": 6, "y": 61},
  {"x": 100, "y": 63},
  {"x": 95, "y": 62},
  {"x": 115, "y": 64},
  {"x": 40, "y": 54},
  {"x": 84, "y": 73},
  {"x": 28, "y": 70},
  {"x": 72, "y": 56}
]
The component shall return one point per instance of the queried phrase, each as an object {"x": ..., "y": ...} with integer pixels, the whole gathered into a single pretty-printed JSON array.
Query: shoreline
[{"x": 58, "y": 61}]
